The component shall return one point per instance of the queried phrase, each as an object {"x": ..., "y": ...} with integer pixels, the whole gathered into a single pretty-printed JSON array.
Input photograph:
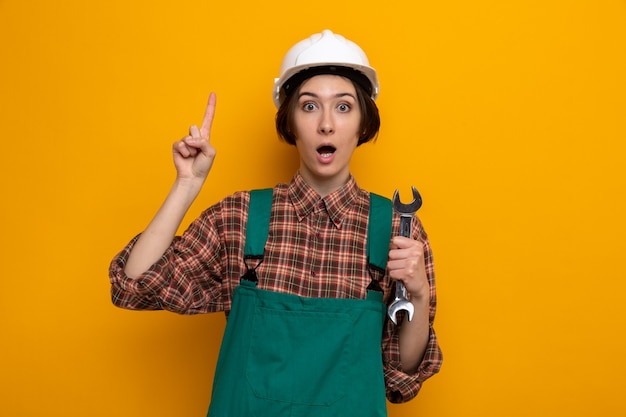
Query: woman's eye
[
  {"x": 343, "y": 107},
  {"x": 309, "y": 107}
]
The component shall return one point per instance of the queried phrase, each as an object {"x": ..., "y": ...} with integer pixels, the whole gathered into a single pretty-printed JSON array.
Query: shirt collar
[{"x": 306, "y": 200}]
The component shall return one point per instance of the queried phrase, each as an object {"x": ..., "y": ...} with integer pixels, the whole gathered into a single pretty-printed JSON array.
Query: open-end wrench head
[
  {"x": 400, "y": 305},
  {"x": 407, "y": 208}
]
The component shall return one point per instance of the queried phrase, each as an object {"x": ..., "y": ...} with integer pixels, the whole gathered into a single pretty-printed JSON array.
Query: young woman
[{"x": 307, "y": 332}]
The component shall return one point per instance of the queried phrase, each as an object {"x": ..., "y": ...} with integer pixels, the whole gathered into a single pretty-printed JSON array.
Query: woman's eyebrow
[{"x": 338, "y": 95}]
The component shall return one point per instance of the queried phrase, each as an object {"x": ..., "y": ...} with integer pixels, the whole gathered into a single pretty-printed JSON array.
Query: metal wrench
[{"x": 406, "y": 211}]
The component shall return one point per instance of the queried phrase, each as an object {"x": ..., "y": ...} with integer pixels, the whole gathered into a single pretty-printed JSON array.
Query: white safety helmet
[{"x": 325, "y": 53}]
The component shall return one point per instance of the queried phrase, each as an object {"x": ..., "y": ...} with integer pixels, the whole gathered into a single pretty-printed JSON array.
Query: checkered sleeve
[
  {"x": 126, "y": 292},
  {"x": 187, "y": 279},
  {"x": 400, "y": 386}
]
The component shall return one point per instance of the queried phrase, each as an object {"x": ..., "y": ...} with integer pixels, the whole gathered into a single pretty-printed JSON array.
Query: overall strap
[
  {"x": 378, "y": 231},
  {"x": 258, "y": 226}
]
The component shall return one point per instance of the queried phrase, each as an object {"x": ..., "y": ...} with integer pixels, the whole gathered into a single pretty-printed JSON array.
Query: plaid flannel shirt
[{"x": 316, "y": 248}]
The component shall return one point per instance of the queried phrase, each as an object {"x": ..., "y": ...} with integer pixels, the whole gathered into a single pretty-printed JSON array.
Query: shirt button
[{"x": 313, "y": 273}]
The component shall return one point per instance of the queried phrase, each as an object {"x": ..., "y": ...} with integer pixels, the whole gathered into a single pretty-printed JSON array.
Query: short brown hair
[{"x": 370, "y": 119}]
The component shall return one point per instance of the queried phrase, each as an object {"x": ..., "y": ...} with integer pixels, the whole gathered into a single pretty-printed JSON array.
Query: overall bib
[{"x": 284, "y": 355}]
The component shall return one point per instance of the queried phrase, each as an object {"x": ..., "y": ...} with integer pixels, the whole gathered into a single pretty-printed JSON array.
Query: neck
[{"x": 325, "y": 186}]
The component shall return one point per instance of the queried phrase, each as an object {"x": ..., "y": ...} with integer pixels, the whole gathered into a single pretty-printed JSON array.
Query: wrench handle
[{"x": 406, "y": 222}]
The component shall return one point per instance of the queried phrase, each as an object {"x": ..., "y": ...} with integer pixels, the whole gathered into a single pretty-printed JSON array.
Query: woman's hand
[
  {"x": 406, "y": 263},
  {"x": 193, "y": 154}
]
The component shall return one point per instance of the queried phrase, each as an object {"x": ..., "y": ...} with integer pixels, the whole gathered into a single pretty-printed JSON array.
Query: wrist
[
  {"x": 191, "y": 185},
  {"x": 185, "y": 190},
  {"x": 422, "y": 296}
]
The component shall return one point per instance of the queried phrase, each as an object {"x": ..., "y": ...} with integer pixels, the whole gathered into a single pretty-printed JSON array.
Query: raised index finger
[{"x": 205, "y": 129}]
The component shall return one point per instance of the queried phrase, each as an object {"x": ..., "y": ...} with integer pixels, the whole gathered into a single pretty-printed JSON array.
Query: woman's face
[{"x": 327, "y": 120}]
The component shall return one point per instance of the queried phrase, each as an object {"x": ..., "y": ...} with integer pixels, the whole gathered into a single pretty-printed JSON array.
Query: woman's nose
[{"x": 326, "y": 124}]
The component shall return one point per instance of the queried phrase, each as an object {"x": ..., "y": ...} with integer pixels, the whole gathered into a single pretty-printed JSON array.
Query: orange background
[{"x": 509, "y": 116}]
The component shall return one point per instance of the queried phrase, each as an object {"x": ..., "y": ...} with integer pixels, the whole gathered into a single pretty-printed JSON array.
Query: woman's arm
[{"x": 193, "y": 159}]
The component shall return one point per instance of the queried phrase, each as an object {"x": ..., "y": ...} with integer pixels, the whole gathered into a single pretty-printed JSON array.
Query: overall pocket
[{"x": 297, "y": 356}]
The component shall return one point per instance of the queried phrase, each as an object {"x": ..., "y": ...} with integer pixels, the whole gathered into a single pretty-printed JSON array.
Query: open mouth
[{"x": 326, "y": 150}]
